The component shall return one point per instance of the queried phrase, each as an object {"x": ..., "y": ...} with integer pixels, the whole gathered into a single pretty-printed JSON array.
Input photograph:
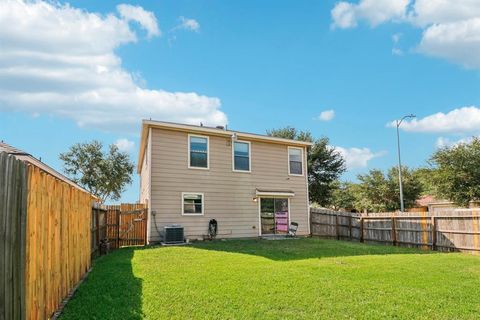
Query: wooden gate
[{"x": 127, "y": 225}]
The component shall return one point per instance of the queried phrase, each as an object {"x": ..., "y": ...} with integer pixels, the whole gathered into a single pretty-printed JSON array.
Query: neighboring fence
[
  {"x": 126, "y": 225},
  {"x": 457, "y": 230},
  {"x": 13, "y": 209},
  {"x": 45, "y": 240}
]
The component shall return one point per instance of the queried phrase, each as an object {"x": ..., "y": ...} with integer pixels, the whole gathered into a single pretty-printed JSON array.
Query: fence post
[
  {"x": 145, "y": 211},
  {"x": 394, "y": 231},
  {"x": 350, "y": 228},
  {"x": 361, "y": 229},
  {"x": 117, "y": 212},
  {"x": 98, "y": 228},
  {"x": 434, "y": 232},
  {"x": 336, "y": 227}
]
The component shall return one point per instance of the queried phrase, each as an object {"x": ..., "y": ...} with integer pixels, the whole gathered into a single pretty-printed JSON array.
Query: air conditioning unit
[{"x": 173, "y": 234}]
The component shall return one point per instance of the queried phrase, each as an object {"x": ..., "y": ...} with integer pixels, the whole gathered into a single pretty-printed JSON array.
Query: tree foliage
[
  {"x": 104, "y": 174},
  {"x": 457, "y": 172},
  {"x": 378, "y": 191},
  {"x": 344, "y": 196},
  {"x": 325, "y": 164},
  {"x": 426, "y": 180}
]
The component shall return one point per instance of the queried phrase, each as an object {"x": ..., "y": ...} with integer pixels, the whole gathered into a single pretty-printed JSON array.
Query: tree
[
  {"x": 104, "y": 174},
  {"x": 379, "y": 192},
  {"x": 425, "y": 178},
  {"x": 457, "y": 172},
  {"x": 344, "y": 195},
  {"x": 325, "y": 164}
]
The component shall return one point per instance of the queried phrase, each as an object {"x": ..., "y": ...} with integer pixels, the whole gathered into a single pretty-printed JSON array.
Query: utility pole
[{"x": 400, "y": 180}]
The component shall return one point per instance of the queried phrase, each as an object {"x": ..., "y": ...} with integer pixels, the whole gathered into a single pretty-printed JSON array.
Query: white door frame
[{"x": 260, "y": 211}]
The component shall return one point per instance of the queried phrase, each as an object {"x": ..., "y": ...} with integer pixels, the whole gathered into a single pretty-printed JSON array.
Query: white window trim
[
  {"x": 303, "y": 161},
  {"x": 249, "y": 156},
  {"x": 208, "y": 152},
  {"x": 203, "y": 204}
]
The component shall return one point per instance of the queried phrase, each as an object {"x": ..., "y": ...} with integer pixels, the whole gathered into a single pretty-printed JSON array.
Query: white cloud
[
  {"x": 443, "y": 142},
  {"x": 188, "y": 24},
  {"x": 61, "y": 61},
  {"x": 397, "y": 52},
  {"x": 451, "y": 28},
  {"x": 428, "y": 12},
  {"x": 358, "y": 157},
  {"x": 125, "y": 145},
  {"x": 343, "y": 15},
  {"x": 326, "y": 115},
  {"x": 346, "y": 15},
  {"x": 456, "y": 41},
  {"x": 146, "y": 19},
  {"x": 396, "y": 37},
  {"x": 461, "y": 120}
]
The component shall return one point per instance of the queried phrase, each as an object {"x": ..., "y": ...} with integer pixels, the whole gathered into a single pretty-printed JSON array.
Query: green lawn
[{"x": 289, "y": 279}]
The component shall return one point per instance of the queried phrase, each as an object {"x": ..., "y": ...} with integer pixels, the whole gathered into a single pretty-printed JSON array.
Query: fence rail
[{"x": 453, "y": 230}]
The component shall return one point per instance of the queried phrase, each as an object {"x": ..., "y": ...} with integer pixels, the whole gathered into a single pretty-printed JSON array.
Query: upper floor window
[
  {"x": 241, "y": 156},
  {"x": 295, "y": 161},
  {"x": 197, "y": 152}
]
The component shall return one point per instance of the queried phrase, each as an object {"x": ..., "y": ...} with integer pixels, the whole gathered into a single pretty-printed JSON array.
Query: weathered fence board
[
  {"x": 13, "y": 190},
  {"x": 452, "y": 230}
]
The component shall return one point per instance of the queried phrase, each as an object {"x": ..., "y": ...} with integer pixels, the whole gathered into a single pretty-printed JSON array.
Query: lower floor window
[{"x": 192, "y": 203}]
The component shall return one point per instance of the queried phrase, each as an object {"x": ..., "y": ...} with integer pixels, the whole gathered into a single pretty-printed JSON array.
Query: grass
[{"x": 290, "y": 279}]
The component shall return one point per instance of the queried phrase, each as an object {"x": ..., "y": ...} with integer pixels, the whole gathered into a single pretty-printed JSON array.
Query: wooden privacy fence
[
  {"x": 45, "y": 239},
  {"x": 454, "y": 230},
  {"x": 13, "y": 208},
  {"x": 126, "y": 225}
]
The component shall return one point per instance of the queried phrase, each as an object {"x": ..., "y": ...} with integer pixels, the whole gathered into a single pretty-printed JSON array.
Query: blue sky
[{"x": 254, "y": 64}]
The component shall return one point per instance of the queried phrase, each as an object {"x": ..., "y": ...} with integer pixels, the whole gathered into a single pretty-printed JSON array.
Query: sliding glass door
[{"x": 274, "y": 215}]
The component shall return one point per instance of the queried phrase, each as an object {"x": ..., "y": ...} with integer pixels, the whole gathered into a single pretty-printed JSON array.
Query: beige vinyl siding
[{"x": 228, "y": 195}]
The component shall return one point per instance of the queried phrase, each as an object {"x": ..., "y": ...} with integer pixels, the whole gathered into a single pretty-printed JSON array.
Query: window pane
[
  {"x": 242, "y": 163},
  {"x": 241, "y": 156},
  {"x": 281, "y": 205},
  {"x": 295, "y": 155},
  {"x": 266, "y": 206},
  {"x": 190, "y": 196},
  {"x": 188, "y": 208},
  {"x": 192, "y": 203},
  {"x": 198, "y": 144},
  {"x": 241, "y": 149},
  {"x": 198, "y": 159},
  {"x": 295, "y": 167}
]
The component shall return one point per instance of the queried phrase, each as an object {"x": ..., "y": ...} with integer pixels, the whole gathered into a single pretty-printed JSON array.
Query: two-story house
[{"x": 253, "y": 185}]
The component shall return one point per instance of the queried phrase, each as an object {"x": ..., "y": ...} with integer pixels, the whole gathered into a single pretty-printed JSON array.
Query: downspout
[
  {"x": 149, "y": 160},
  {"x": 308, "y": 190}
]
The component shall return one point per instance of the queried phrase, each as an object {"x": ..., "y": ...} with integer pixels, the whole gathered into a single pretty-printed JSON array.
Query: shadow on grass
[
  {"x": 303, "y": 248},
  {"x": 111, "y": 291}
]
